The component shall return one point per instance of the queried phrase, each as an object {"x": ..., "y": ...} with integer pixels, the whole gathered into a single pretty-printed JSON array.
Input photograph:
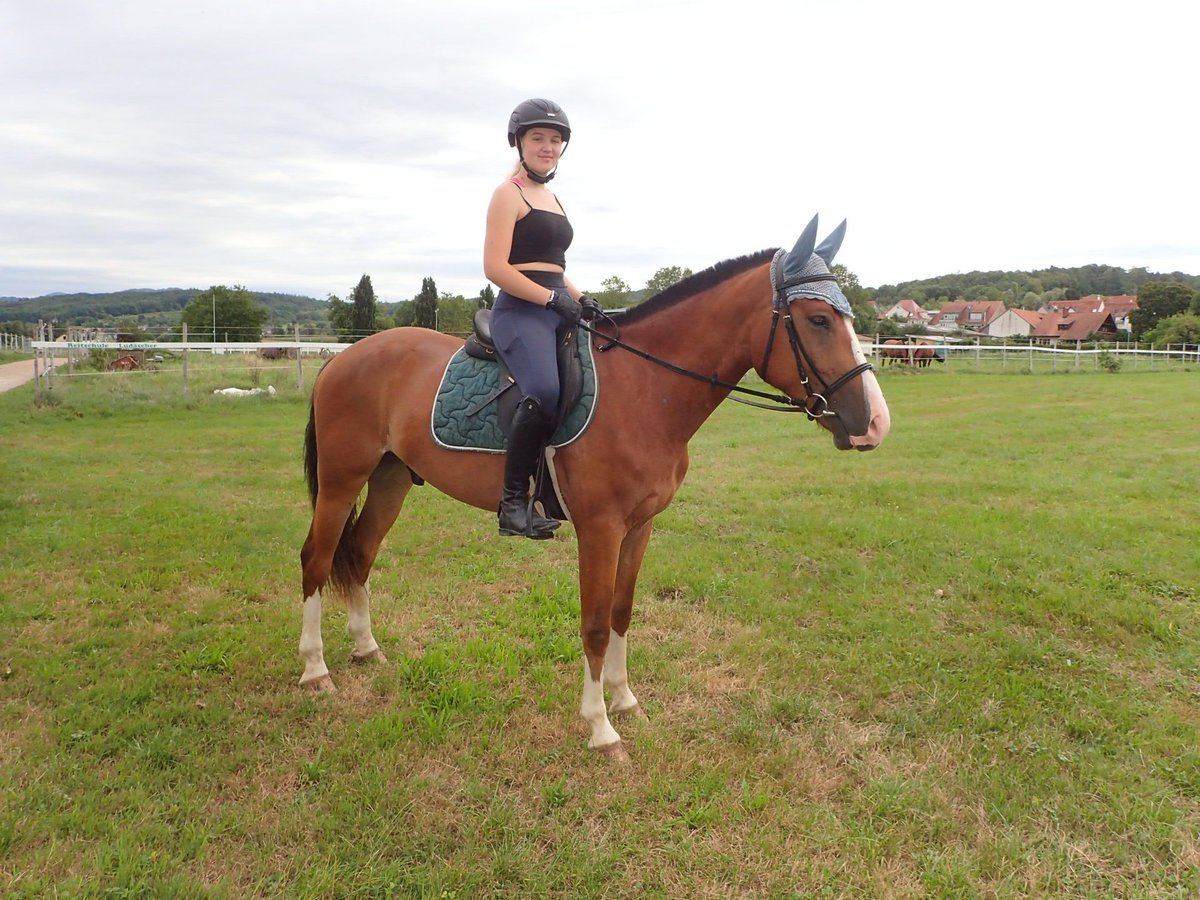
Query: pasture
[{"x": 966, "y": 664}]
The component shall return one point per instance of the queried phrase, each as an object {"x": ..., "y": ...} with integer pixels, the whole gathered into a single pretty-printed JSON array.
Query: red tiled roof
[
  {"x": 963, "y": 310},
  {"x": 1033, "y": 317},
  {"x": 1074, "y": 326},
  {"x": 1117, "y": 304}
]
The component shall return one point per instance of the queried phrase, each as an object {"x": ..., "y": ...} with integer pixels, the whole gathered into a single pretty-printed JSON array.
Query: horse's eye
[{"x": 819, "y": 321}]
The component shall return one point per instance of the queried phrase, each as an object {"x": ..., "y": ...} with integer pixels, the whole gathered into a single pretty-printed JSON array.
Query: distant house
[
  {"x": 1119, "y": 306},
  {"x": 1079, "y": 326},
  {"x": 1013, "y": 323},
  {"x": 907, "y": 310},
  {"x": 970, "y": 315}
]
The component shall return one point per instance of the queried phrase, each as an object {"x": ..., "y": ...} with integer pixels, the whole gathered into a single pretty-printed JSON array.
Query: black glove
[
  {"x": 562, "y": 304},
  {"x": 591, "y": 308}
]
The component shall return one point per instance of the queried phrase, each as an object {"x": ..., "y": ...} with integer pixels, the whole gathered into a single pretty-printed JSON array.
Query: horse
[
  {"x": 909, "y": 353},
  {"x": 369, "y": 426}
]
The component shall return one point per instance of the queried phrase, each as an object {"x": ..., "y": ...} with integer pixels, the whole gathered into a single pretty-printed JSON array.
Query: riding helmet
[{"x": 537, "y": 112}]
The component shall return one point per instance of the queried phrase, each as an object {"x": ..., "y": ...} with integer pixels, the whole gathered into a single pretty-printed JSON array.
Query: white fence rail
[
  {"x": 977, "y": 356},
  {"x": 1039, "y": 357}
]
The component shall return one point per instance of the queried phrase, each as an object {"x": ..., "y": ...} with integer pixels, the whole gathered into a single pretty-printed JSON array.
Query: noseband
[{"x": 815, "y": 403}]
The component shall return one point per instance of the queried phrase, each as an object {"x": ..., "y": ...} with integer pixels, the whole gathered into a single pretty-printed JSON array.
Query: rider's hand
[
  {"x": 561, "y": 303},
  {"x": 591, "y": 308}
]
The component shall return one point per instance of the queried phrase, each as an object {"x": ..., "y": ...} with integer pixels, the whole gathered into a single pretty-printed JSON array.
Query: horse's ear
[
  {"x": 830, "y": 246},
  {"x": 800, "y": 254}
]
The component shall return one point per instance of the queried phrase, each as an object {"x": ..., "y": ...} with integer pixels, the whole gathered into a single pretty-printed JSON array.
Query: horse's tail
[{"x": 343, "y": 567}]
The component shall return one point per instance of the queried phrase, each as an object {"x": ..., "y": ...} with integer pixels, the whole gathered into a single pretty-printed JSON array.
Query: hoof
[
  {"x": 322, "y": 684},
  {"x": 615, "y": 751},
  {"x": 630, "y": 712},
  {"x": 375, "y": 656}
]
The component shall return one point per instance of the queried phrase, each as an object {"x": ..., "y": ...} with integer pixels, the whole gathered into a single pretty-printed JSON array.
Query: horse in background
[{"x": 910, "y": 353}]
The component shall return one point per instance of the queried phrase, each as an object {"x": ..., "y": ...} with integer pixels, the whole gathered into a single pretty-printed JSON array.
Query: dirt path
[{"x": 18, "y": 373}]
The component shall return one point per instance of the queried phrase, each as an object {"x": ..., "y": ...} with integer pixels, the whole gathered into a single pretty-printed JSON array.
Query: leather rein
[{"x": 814, "y": 404}]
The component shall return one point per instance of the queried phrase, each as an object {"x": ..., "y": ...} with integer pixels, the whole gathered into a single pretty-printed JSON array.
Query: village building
[
  {"x": 969, "y": 315},
  {"x": 1013, "y": 323},
  {"x": 1079, "y": 326},
  {"x": 1119, "y": 306},
  {"x": 907, "y": 311}
]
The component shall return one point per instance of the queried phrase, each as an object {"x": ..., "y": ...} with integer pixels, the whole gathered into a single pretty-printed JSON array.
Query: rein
[
  {"x": 814, "y": 404},
  {"x": 785, "y": 403}
]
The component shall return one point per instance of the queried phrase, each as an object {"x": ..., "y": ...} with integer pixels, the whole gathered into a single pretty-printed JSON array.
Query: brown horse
[
  {"x": 370, "y": 426},
  {"x": 911, "y": 353}
]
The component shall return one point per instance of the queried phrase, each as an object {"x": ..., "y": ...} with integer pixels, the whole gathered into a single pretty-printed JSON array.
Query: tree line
[{"x": 236, "y": 313}]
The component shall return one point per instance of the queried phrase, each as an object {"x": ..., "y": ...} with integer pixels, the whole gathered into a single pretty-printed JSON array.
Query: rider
[{"x": 524, "y": 254}]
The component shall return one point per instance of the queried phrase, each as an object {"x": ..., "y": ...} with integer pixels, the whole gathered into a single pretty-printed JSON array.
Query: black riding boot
[{"x": 526, "y": 439}]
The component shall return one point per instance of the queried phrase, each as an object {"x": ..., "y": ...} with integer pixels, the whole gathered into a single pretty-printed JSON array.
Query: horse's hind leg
[
  {"x": 616, "y": 674},
  {"x": 387, "y": 487},
  {"x": 334, "y": 503},
  {"x": 316, "y": 560}
]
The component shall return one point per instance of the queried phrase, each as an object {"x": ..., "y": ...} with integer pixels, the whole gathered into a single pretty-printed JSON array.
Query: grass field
[{"x": 966, "y": 664}]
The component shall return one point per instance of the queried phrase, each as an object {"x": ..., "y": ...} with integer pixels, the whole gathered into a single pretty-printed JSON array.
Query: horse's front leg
[
  {"x": 616, "y": 673},
  {"x": 599, "y": 549}
]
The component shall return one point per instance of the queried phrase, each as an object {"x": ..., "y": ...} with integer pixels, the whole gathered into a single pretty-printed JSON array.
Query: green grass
[{"x": 963, "y": 665}]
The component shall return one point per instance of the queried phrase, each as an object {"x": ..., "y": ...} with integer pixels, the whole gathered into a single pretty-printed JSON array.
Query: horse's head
[{"x": 826, "y": 368}]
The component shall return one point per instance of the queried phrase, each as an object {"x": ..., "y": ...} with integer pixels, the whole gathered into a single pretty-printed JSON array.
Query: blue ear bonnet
[{"x": 804, "y": 270}]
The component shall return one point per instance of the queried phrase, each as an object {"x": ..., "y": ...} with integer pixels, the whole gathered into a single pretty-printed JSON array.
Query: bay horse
[
  {"x": 912, "y": 353},
  {"x": 369, "y": 426}
]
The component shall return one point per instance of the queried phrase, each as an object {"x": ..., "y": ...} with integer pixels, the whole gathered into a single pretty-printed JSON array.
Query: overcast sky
[{"x": 294, "y": 146}]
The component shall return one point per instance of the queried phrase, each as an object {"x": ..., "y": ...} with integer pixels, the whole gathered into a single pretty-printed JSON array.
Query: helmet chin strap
[{"x": 534, "y": 176}]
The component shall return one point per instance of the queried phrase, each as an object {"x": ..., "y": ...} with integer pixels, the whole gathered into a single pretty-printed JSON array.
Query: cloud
[{"x": 295, "y": 146}]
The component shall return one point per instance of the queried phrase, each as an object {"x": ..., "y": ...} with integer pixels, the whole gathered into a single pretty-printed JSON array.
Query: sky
[{"x": 295, "y": 146}]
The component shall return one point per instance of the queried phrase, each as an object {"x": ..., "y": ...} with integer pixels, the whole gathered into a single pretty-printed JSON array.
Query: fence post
[
  {"x": 37, "y": 376},
  {"x": 299, "y": 361},
  {"x": 50, "y": 356},
  {"x": 185, "y": 359}
]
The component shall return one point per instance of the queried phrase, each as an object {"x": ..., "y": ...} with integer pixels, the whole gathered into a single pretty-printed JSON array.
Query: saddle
[
  {"x": 478, "y": 397},
  {"x": 570, "y": 374}
]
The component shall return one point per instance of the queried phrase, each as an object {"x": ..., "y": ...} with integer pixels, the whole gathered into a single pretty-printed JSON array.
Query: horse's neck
[{"x": 708, "y": 334}]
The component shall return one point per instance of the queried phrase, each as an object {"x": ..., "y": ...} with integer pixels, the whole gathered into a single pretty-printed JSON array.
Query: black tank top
[{"x": 541, "y": 236}]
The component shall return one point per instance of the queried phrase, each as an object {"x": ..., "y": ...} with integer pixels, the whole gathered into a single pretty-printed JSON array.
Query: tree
[
  {"x": 1156, "y": 301},
  {"x": 237, "y": 316},
  {"x": 616, "y": 294},
  {"x": 425, "y": 305},
  {"x": 865, "y": 316},
  {"x": 1183, "y": 328},
  {"x": 363, "y": 314},
  {"x": 341, "y": 318},
  {"x": 664, "y": 278},
  {"x": 455, "y": 314},
  {"x": 487, "y": 297}
]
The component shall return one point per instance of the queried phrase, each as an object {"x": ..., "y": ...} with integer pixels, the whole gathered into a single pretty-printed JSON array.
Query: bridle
[{"x": 815, "y": 404}]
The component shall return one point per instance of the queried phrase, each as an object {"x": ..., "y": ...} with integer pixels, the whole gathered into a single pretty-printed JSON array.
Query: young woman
[{"x": 524, "y": 254}]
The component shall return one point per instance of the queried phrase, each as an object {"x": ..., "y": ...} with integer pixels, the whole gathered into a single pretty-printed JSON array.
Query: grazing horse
[
  {"x": 909, "y": 353},
  {"x": 678, "y": 356}
]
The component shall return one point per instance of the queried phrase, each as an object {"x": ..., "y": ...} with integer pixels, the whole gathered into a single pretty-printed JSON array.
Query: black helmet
[{"x": 537, "y": 112}]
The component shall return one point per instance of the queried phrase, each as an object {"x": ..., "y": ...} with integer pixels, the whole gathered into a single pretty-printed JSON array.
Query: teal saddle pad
[{"x": 466, "y": 410}]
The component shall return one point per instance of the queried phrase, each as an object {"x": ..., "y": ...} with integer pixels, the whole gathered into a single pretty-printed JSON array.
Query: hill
[
  {"x": 1028, "y": 289},
  {"x": 150, "y": 308}
]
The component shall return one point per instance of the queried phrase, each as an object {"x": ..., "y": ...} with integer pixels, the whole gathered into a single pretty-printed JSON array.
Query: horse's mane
[{"x": 694, "y": 284}]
